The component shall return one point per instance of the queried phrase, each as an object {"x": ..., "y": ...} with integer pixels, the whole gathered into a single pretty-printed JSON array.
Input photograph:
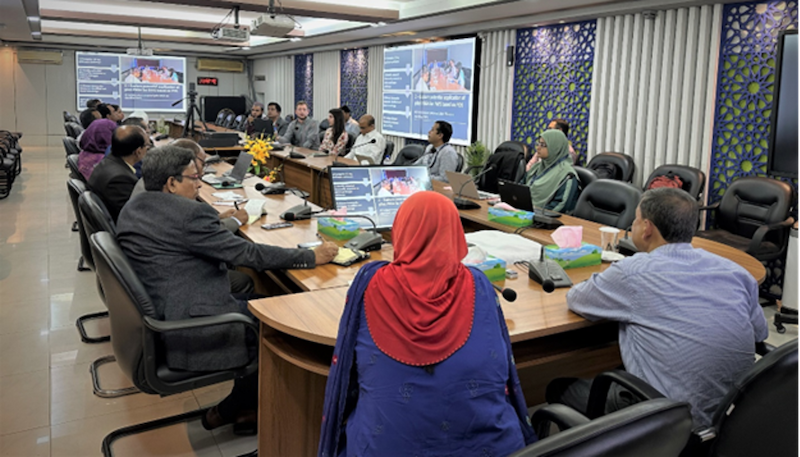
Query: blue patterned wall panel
[
  {"x": 553, "y": 79},
  {"x": 744, "y": 100},
  {"x": 353, "y": 84},
  {"x": 304, "y": 80}
]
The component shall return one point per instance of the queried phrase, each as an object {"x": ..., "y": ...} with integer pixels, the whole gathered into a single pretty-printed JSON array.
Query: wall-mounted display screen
[
  {"x": 149, "y": 83},
  {"x": 423, "y": 83}
]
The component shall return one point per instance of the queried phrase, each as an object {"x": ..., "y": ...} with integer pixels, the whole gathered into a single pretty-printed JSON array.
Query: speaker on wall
[{"x": 510, "y": 56}]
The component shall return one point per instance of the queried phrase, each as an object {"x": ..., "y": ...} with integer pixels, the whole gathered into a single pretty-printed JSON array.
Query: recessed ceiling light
[
  {"x": 295, "y": 39},
  {"x": 34, "y": 18},
  {"x": 377, "y": 24},
  {"x": 245, "y": 48},
  {"x": 561, "y": 22}
]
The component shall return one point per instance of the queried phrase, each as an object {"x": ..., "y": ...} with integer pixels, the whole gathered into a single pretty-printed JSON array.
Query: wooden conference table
[{"x": 299, "y": 327}]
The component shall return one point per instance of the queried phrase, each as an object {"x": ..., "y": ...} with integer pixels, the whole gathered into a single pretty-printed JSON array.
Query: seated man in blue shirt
[
  {"x": 439, "y": 156},
  {"x": 688, "y": 320}
]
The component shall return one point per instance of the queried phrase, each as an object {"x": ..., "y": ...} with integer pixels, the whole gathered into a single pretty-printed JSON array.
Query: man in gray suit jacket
[{"x": 179, "y": 250}]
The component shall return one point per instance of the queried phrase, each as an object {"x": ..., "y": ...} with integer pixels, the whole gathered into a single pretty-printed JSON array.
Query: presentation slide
[
  {"x": 424, "y": 83},
  {"x": 376, "y": 192},
  {"x": 151, "y": 83}
]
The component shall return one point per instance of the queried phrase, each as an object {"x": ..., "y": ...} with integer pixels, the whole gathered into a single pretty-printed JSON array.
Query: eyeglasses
[
  {"x": 192, "y": 177},
  {"x": 541, "y": 144}
]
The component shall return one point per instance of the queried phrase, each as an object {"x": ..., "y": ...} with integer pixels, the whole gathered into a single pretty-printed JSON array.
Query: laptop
[
  {"x": 470, "y": 190},
  {"x": 235, "y": 174},
  {"x": 519, "y": 196}
]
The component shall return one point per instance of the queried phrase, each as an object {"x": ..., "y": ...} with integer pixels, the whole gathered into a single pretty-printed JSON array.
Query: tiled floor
[{"x": 46, "y": 402}]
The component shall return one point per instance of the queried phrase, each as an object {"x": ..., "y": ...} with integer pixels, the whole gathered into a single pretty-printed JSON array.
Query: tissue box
[
  {"x": 492, "y": 267},
  {"x": 512, "y": 218},
  {"x": 338, "y": 229},
  {"x": 585, "y": 256}
]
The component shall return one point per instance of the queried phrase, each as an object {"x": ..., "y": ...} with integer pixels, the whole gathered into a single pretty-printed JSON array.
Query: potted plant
[
  {"x": 476, "y": 156},
  {"x": 259, "y": 148}
]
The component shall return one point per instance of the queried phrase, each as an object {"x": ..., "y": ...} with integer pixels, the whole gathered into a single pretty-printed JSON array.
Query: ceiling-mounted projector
[
  {"x": 272, "y": 25},
  {"x": 231, "y": 33}
]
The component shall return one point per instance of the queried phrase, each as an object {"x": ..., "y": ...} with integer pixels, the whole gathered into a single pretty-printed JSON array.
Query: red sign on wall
[{"x": 207, "y": 81}]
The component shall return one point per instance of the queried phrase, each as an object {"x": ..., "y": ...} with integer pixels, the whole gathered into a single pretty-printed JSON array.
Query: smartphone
[
  {"x": 310, "y": 244},
  {"x": 276, "y": 225}
]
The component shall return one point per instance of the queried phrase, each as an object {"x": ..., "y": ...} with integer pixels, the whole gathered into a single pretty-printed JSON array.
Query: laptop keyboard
[{"x": 487, "y": 195}]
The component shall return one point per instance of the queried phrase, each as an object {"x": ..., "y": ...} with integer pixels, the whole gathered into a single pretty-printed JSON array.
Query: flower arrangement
[{"x": 259, "y": 148}]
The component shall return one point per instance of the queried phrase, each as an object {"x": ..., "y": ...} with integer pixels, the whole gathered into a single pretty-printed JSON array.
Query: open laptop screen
[{"x": 376, "y": 192}]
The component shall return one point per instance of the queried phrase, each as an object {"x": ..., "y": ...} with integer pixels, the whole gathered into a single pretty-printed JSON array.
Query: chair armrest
[
  {"x": 710, "y": 207},
  {"x": 563, "y": 416},
  {"x": 602, "y": 384},
  {"x": 160, "y": 326},
  {"x": 763, "y": 348},
  {"x": 762, "y": 231}
]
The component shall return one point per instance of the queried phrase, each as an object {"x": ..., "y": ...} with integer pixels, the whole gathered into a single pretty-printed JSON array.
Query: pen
[{"x": 236, "y": 205}]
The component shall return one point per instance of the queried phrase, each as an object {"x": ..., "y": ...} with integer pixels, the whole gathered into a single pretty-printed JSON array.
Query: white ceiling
[{"x": 183, "y": 26}]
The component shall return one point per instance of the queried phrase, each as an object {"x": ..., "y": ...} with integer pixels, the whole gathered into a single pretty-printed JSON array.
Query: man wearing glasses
[
  {"x": 370, "y": 144},
  {"x": 179, "y": 251},
  {"x": 116, "y": 175}
]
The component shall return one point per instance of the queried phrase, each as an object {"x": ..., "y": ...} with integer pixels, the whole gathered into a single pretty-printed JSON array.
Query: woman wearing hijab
[
  {"x": 553, "y": 181},
  {"x": 94, "y": 143},
  {"x": 336, "y": 133},
  {"x": 423, "y": 362}
]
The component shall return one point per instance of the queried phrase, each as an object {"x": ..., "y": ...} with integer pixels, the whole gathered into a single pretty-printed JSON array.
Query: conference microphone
[
  {"x": 271, "y": 189},
  {"x": 509, "y": 294},
  {"x": 297, "y": 212},
  {"x": 364, "y": 241},
  {"x": 463, "y": 203},
  {"x": 547, "y": 283},
  {"x": 542, "y": 221},
  {"x": 356, "y": 146}
]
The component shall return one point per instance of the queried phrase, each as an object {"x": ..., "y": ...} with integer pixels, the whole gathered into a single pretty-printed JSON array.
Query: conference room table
[{"x": 299, "y": 324}]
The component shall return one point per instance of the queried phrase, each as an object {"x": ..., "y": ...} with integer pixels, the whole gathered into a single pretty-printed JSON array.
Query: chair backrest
[
  {"x": 653, "y": 428},
  {"x": 609, "y": 202},
  {"x": 69, "y": 117},
  {"x": 223, "y": 113},
  {"x": 508, "y": 161},
  {"x": 76, "y": 188},
  {"x": 585, "y": 176},
  {"x": 762, "y": 404},
  {"x": 229, "y": 120},
  {"x": 70, "y": 145},
  {"x": 694, "y": 180},
  {"x": 95, "y": 215},
  {"x": 127, "y": 302},
  {"x": 460, "y": 164},
  {"x": 73, "y": 129},
  {"x": 238, "y": 122},
  {"x": 753, "y": 201},
  {"x": 387, "y": 153},
  {"x": 74, "y": 172},
  {"x": 623, "y": 165},
  {"x": 409, "y": 154}
]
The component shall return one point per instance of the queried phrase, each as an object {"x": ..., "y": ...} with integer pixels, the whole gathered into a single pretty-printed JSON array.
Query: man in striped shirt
[{"x": 688, "y": 320}]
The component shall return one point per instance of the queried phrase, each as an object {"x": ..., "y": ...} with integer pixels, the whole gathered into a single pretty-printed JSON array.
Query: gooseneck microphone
[
  {"x": 364, "y": 241},
  {"x": 272, "y": 188},
  {"x": 297, "y": 212},
  {"x": 509, "y": 294},
  {"x": 463, "y": 203}
]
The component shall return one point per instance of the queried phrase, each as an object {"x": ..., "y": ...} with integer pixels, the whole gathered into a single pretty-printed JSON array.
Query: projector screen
[
  {"x": 423, "y": 83},
  {"x": 149, "y": 83}
]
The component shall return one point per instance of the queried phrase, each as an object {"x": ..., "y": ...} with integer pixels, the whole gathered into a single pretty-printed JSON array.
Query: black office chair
[
  {"x": 222, "y": 115},
  {"x": 388, "y": 152},
  {"x": 323, "y": 126},
  {"x": 762, "y": 404},
  {"x": 11, "y": 149},
  {"x": 95, "y": 218},
  {"x": 238, "y": 122},
  {"x": 507, "y": 162},
  {"x": 613, "y": 165},
  {"x": 585, "y": 176},
  {"x": 70, "y": 145},
  {"x": 654, "y": 428},
  {"x": 69, "y": 117},
  {"x": 694, "y": 180},
  {"x": 76, "y": 188},
  {"x": 409, "y": 154},
  {"x": 73, "y": 129},
  {"x": 136, "y": 330},
  {"x": 228, "y": 123},
  {"x": 608, "y": 202},
  {"x": 74, "y": 172},
  {"x": 753, "y": 216}
]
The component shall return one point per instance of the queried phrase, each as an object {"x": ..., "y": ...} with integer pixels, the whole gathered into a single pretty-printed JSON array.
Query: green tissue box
[
  {"x": 512, "y": 218},
  {"x": 585, "y": 256},
  {"x": 338, "y": 229},
  {"x": 492, "y": 267}
]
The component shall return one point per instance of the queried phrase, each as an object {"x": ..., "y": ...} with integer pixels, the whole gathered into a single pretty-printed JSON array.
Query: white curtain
[
  {"x": 653, "y": 87},
  {"x": 278, "y": 84},
  {"x": 496, "y": 89},
  {"x": 327, "y": 74}
]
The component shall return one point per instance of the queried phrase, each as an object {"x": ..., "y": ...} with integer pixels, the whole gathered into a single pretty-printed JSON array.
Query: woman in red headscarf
[{"x": 423, "y": 362}]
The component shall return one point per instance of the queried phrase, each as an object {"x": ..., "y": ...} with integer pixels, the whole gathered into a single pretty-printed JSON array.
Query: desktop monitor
[{"x": 376, "y": 191}]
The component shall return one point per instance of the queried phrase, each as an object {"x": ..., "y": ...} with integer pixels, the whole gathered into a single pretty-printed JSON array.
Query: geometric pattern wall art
[
  {"x": 353, "y": 82},
  {"x": 304, "y": 80},
  {"x": 745, "y": 82},
  {"x": 553, "y": 79}
]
